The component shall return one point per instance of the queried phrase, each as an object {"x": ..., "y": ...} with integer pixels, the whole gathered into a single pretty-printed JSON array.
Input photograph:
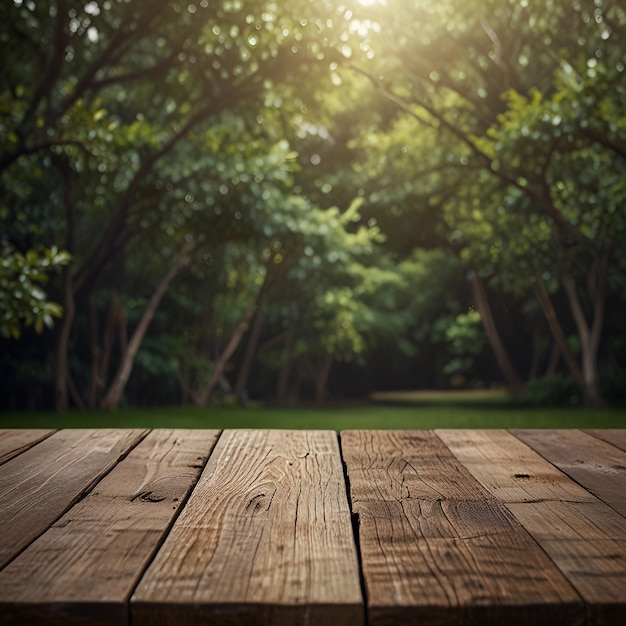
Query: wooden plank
[
  {"x": 582, "y": 535},
  {"x": 598, "y": 466},
  {"x": 84, "y": 568},
  {"x": 265, "y": 538},
  {"x": 16, "y": 441},
  {"x": 436, "y": 548},
  {"x": 38, "y": 486},
  {"x": 616, "y": 437}
]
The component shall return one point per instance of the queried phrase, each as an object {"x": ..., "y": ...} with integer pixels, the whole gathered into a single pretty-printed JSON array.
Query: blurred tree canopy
[{"x": 287, "y": 200}]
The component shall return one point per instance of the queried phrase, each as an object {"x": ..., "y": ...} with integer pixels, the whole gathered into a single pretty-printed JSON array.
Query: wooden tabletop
[{"x": 280, "y": 527}]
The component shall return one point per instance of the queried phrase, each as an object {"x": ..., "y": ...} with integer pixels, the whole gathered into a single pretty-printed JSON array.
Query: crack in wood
[{"x": 255, "y": 500}]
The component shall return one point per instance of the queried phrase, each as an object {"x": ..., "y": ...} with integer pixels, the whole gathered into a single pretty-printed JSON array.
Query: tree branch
[
  {"x": 92, "y": 266},
  {"x": 53, "y": 69},
  {"x": 120, "y": 39},
  {"x": 111, "y": 399}
]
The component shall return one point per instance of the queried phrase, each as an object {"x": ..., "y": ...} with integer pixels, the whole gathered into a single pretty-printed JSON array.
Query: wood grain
[
  {"x": 39, "y": 485},
  {"x": 436, "y": 548},
  {"x": 14, "y": 442},
  {"x": 265, "y": 538},
  {"x": 616, "y": 437},
  {"x": 582, "y": 535},
  {"x": 84, "y": 568},
  {"x": 598, "y": 466}
]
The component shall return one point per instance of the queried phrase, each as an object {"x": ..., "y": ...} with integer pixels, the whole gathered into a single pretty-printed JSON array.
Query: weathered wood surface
[
  {"x": 84, "y": 568},
  {"x": 583, "y": 536},
  {"x": 14, "y": 442},
  {"x": 448, "y": 527},
  {"x": 266, "y": 538},
  {"x": 436, "y": 548},
  {"x": 39, "y": 485},
  {"x": 610, "y": 435},
  {"x": 598, "y": 466}
]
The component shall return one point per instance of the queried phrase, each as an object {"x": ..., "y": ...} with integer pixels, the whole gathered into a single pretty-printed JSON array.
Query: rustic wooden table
[{"x": 308, "y": 527}]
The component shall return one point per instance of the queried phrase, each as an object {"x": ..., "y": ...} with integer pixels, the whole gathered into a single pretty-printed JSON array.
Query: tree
[
  {"x": 514, "y": 129},
  {"x": 482, "y": 138},
  {"x": 309, "y": 256},
  {"x": 118, "y": 103}
]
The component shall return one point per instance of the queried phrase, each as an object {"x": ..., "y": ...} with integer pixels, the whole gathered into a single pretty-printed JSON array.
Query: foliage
[
  {"x": 555, "y": 390},
  {"x": 341, "y": 167},
  {"x": 519, "y": 142},
  {"x": 23, "y": 301},
  {"x": 466, "y": 341},
  {"x": 614, "y": 388}
]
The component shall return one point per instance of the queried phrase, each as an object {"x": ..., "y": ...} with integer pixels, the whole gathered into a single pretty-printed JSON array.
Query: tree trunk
[
  {"x": 557, "y": 331},
  {"x": 553, "y": 361},
  {"x": 321, "y": 380},
  {"x": 537, "y": 354},
  {"x": 74, "y": 392},
  {"x": 116, "y": 322},
  {"x": 61, "y": 369},
  {"x": 202, "y": 398},
  {"x": 96, "y": 353},
  {"x": 220, "y": 364},
  {"x": 282, "y": 384},
  {"x": 246, "y": 365},
  {"x": 589, "y": 336},
  {"x": 112, "y": 397},
  {"x": 513, "y": 381},
  {"x": 61, "y": 366}
]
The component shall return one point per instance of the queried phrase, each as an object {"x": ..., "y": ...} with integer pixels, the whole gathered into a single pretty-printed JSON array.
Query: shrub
[
  {"x": 613, "y": 388},
  {"x": 554, "y": 390}
]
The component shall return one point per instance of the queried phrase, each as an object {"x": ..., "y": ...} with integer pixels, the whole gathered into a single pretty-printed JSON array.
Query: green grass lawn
[{"x": 426, "y": 411}]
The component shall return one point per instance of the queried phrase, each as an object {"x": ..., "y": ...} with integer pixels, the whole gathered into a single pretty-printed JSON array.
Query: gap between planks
[
  {"x": 582, "y": 535},
  {"x": 14, "y": 442},
  {"x": 40, "y": 484},
  {"x": 275, "y": 547},
  {"x": 597, "y": 466},
  {"x": 83, "y": 569},
  {"x": 437, "y": 547},
  {"x": 527, "y": 485}
]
